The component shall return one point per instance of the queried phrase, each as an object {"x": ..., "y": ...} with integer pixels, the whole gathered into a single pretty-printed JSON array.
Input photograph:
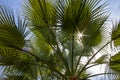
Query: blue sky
[{"x": 115, "y": 9}]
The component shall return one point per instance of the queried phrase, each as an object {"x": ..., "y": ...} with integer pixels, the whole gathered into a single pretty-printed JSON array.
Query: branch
[
  {"x": 97, "y": 75},
  {"x": 92, "y": 58}
]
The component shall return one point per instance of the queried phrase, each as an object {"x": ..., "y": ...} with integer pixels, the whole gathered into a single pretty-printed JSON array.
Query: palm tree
[{"x": 52, "y": 38}]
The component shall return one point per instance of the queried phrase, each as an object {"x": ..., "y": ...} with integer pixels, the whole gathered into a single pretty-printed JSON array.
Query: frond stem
[
  {"x": 92, "y": 58},
  {"x": 39, "y": 59},
  {"x": 96, "y": 75}
]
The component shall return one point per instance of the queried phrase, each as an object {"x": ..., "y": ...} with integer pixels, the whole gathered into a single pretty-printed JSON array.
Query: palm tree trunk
[{"x": 73, "y": 78}]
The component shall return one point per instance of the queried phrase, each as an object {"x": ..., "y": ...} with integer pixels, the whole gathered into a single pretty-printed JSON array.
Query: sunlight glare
[{"x": 80, "y": 35}]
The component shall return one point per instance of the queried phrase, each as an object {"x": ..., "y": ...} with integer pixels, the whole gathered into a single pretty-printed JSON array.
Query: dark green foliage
[{"x": 115, "y": 62}]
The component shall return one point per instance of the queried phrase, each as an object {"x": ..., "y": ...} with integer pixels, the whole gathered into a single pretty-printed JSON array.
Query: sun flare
[{"x": 80, "y": 35}]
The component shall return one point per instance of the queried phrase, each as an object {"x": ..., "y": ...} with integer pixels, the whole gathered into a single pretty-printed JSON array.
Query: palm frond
[
  {"x": 41, "y": 14},
  {"x": 85, "y": 15},
  {"x": 10, "y": 33},
  {"x": 8, "y": 56},
  {"x": 6, "y": 16},
  {"x": 116, "y": 34},
  {"x": 115, "y": 62},
  {"x": 16, "y": 61},
  {"x": 15, "y": 77},
  {"x": 55, "y": 26},
  {"x": 102, "y": 59}
]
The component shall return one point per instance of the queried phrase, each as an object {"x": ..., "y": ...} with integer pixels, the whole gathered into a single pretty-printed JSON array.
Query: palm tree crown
[{"x": 51, "y": 39}]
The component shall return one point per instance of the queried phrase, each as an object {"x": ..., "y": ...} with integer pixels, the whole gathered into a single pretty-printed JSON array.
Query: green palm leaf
[
  {"x": 14, "y": 77},
  {"x": 17, "y": 62},
  {"x": 116, "y": 34},
  {"x": 115, "y": 62},
  {"x": 42, "y": 16},
  {"x": 8, "y": 56},
  {"x": 102, "y": 59},
  {"x": 83, "y": 15},
  {"x": 10, "y": 33}
]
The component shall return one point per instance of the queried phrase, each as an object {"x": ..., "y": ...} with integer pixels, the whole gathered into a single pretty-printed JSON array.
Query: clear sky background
[{"x": 114, "y": 7}]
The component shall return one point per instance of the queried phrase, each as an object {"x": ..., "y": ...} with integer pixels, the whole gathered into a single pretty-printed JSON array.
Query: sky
[{"x": 114, "y": 7}]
